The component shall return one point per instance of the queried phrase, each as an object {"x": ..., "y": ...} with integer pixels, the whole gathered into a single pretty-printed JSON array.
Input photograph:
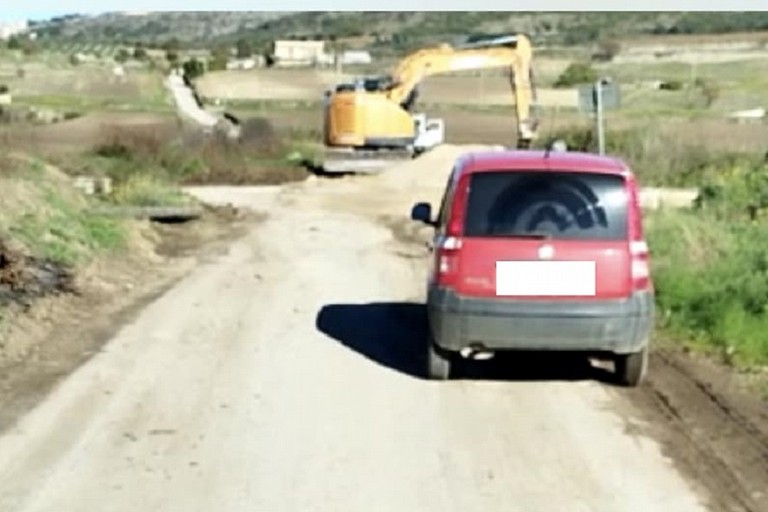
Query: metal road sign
[{"x": 611, "y": 97}]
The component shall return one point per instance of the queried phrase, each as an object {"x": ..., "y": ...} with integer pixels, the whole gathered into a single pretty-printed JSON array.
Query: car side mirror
[{"x": 422, "y": 212}]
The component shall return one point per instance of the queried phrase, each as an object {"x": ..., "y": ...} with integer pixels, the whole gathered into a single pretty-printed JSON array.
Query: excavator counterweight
[{"x": 370, "y": 123}]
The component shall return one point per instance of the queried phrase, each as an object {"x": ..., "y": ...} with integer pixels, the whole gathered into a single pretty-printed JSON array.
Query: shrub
[
  {"x": 193, "y": 69},
  {"x": 576, "y": 73},
  {"x": 607, "y": 49},
  {"x": 260, "y": 157},
  {"x": 671, "y": 85},
  {"x": 4, "y": 89}
]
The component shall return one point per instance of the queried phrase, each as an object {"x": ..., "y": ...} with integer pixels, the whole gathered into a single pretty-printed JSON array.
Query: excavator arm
[{"x": 513, "y": 52}]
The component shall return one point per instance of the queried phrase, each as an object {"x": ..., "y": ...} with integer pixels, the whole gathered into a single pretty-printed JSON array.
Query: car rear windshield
[{"x": 552, "y": 204}]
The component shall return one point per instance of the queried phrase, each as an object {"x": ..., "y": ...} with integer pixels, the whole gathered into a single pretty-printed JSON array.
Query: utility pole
[
  {"x": 599, "y": 117},
  {"x": 595, "y": 98}
]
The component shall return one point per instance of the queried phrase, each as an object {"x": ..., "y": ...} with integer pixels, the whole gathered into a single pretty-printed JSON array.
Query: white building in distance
[{"x": 8, "y": 30}]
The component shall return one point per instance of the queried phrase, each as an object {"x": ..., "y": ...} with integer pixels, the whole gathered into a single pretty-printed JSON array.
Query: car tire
[
  {"x": 631, "y": 369},
  {"x": 438, "y": 363}
]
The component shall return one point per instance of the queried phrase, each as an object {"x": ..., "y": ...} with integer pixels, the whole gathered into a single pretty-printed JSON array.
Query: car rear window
[{"x": 560, "y": 205}]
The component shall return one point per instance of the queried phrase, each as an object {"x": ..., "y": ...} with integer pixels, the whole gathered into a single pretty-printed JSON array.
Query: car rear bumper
[{"x": 618, "y": 326}]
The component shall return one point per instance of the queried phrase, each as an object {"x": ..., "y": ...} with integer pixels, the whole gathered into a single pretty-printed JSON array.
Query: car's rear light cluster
[
  {"x": 447, "y": 252},
  {"x": 638, "y": 247},
  {"x": 641, "y": 272}
]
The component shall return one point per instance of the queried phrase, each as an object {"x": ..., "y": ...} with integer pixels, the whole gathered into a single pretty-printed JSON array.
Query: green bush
[
  {"x": 576, "y": 73},
  {"x": 193, "y": 69},
  {"x": 4, "y": 89},
  {"x": 672, "y": 85}
]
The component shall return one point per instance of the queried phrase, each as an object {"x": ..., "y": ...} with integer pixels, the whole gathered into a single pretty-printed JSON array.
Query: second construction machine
[{"x": 371, "y": 122}]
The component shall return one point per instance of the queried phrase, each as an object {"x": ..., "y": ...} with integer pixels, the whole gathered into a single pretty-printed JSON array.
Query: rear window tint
[{"x": 562, "y": 205}]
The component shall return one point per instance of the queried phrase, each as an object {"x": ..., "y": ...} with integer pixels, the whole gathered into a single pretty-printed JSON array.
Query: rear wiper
[{"x": 533, "y": 236}]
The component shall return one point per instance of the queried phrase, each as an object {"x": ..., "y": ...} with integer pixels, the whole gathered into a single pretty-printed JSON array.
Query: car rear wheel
[
  {"x": 438, "y": 364},
  {"x": 631, "y": 369}
]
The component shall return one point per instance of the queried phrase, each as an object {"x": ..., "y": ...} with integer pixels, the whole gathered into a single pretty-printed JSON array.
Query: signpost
[{"x": 596, "y": 99}]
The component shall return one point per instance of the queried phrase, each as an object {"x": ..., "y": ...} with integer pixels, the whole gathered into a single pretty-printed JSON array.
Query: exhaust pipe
[{"x": 476, "y": 352}]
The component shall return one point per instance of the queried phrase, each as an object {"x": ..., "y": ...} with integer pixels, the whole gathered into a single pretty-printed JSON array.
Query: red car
[{"x": 539, "y": 250}]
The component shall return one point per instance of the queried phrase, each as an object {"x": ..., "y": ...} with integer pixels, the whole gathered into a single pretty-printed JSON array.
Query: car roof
[{"x": 540, "y": 160}]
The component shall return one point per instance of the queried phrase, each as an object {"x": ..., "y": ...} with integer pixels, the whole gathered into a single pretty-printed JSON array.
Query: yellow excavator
[{"x": 370, "y": 122}]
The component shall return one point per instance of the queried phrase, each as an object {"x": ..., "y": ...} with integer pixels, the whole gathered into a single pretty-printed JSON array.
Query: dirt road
[{"x": 282, "y": 376}]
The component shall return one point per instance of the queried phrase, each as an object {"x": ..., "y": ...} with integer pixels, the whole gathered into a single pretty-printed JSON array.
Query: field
[
  {"x": 488, "y": 88},
  {"x": 88, "y": 87}
]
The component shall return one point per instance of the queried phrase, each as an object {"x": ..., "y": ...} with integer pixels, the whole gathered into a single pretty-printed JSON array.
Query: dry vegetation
[{"x": 260, "y": 157}]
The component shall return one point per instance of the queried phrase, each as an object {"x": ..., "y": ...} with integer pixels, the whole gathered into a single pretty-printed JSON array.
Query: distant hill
[
  {"x": 198, "y": 28},
  {"x": 395, "y": 31}
]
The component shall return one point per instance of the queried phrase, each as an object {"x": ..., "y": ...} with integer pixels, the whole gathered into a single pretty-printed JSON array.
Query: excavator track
[{"x": 343, "y": 161}]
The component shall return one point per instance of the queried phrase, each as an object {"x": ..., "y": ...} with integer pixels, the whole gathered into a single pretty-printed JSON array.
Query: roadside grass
[
  {"x": 149, "y": 167},
  {"x": 712, "y": 284},
  {"x": 50, "y": 220}
]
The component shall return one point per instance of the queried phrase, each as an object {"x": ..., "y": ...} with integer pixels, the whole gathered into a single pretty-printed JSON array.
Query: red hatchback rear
[{"x": 539, "y": 251}]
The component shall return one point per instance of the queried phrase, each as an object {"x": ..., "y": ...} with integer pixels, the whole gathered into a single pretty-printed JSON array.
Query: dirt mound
[
  {"x": 424, "y": 178},
  {"x": 392, "y": 192},
  {"x": 431, "y": 166}
]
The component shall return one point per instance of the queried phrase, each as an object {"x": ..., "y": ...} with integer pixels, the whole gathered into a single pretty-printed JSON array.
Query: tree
[
  {"x": 122, "y": 55},
  {"x": 23, "y": 43},
  {"x": 139, "y": 52},
  {"x": 171, "y": 45},
  {"x": 244, "y": 49},
  {"x": 14, "y": 43},
  {"x": 4, "y": 89},
  {"x": 172, "y": 56},
  {"x": 193, "y": 69}
]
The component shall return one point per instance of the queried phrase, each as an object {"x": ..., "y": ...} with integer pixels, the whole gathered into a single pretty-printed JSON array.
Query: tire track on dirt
[{"x": 709, "y": 440}]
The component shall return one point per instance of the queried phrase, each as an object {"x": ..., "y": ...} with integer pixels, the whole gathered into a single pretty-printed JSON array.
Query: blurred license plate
[{"x": 545, "y": 278}]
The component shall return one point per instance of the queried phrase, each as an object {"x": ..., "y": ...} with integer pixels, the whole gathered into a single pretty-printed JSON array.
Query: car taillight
[
  {"x": 638, "y": 247},
  {"x": 641, "y": 271},
  {"x": 447, "y": 254},
  {"x": 448, "y": 249}
]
